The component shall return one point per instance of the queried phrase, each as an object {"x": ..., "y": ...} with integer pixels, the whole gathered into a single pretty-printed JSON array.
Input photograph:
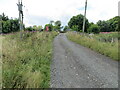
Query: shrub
[{"x": 94, "y": 28}]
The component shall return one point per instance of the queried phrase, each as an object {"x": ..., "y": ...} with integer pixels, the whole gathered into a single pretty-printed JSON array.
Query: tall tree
[
  {"x": 104, "y": 26},
  {"x": 4, "y": 17},
  {"x": 9, "y": 25},
  {"x": 51, "y": 22},
  {"x": 76, "y": 23},
  {"x": 114, "y": 23},
  {"x": 57, "y": 25},
  {"x": 50, "y": 27}
]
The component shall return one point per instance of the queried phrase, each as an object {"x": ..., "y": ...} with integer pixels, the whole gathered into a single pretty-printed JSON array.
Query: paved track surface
[{"x": 75, "y": 66}]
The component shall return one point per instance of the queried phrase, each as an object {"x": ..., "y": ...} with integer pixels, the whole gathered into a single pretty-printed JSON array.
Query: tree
[
  {"x": 51, "y": 22},
  {"x": 39, "y": 27},
  {"x": 14, "y": 25},
  {"x": 49, "y": 26},
  {"x": 6, "y": 27},
  {"x": 75, "y": 27},
  {"x": 77, "y": 23},
  {"x": 4, "y": 17},
  {"x": 94, "y": 28},
  {"x": 35, "y": 28},
  {"x": 57, "y": 25},
  {"x": 114, "y": 23},
  {"x": 66, "y": 28},
  {"x": 110, "y": 25},
  {"x": 104, "y": 26},
  {"x": 9, "y": 25},
  {"x": 29, "y": 28}
]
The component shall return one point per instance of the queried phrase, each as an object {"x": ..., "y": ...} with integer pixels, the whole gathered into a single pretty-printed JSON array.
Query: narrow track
[{"x": 75, "y": 66}]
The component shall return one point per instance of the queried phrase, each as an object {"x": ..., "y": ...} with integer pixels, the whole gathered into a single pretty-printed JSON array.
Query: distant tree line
[
  {"x": 8, "y": 25},
  {"x": 111, "y": 25},
  {"x": 75, "y": 24},
  {"x": 52, "y": 26},
  {"x": 34, "y": 28}
]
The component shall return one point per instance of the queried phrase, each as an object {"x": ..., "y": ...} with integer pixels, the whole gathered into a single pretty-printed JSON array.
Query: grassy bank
[
  {"x": 105, "y": 48},
  {"x": 1, "y": 61},
  {"x": 26, "y": 62}
]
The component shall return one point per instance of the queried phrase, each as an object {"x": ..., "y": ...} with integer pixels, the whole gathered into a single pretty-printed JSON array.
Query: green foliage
[
  {"x": 58, "y": 23},
  {"x": 104, "y": 26},
  {"x": 4, "y": 17},
  {"x": 55, "y": 27},
  {"x": 76, "y": 22},
  {"x": 66, "y": 28},
  {"x": 9, "y": 25},
  {"x": 75, "y": 27},
  {"x": 94, "y": 29},
  {"x": 110, "y": 25},
  {"x": 50, "y": 26},
  {"x": 114, "y": 23},
  {"x": 105, "y": 48},
  {"x": 107, "y": 37},
  {"x": 34, "y": 28},
  {"x": 29, "y": 28},
  {"x": 51, "y": 22},
  {"x": 26, "y": 63}
]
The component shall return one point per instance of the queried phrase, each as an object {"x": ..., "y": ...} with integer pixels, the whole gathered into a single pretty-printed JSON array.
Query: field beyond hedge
[
  {"x": 26, "y": 62},
  {"x": 104, "y": 47}
]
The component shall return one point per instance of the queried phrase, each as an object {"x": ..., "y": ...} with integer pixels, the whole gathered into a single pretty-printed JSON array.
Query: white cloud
[{"x": 40, "y": 12}]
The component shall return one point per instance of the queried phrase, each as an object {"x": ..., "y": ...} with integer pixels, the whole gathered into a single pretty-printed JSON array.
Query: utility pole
[
  {"x": 20, "y": 16},
  {"x": 84, "y": 16}
]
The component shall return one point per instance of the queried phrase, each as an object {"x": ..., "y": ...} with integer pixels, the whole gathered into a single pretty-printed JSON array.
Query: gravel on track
[{"x": 75, "y": 66}]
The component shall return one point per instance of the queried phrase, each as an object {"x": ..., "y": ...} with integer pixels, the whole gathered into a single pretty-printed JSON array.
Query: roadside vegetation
[
  {"x": 102, "y": 37},
  {"x": 102, "y": 46},
  {"x": 111, "y": 25},
  {"x": 26, "y": 62}
]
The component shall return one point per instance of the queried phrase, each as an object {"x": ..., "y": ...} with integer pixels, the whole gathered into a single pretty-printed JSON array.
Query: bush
[
  {"x": 94, "y": 29},
  {"x": 29, "y": 29}
]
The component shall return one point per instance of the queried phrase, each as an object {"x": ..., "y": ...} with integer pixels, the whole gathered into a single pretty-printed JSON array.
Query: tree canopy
[
  {"x": 110, "y": 25},
  {"x": 9, "y": 25},
  {"x": 76, "y": 23}
]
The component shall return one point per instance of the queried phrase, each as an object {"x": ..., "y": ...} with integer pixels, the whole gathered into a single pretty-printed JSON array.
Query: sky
[{"x": 41, "y": 12}]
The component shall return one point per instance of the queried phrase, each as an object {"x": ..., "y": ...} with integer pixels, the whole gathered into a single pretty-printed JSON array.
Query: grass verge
[
  {"x": 105, "y": 48},
  {"x": 26, "y": 62}
]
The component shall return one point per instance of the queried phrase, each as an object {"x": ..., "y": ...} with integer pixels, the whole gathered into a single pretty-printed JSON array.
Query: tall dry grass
[
  {"x": 105, "y": 48},
  {"x": 26, "y": 62}
]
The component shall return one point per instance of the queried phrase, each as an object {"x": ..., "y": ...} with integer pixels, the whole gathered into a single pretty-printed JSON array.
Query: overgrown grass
[
  {"x": 105, "y": 48},
  {"x": 107, "y": 37},
  {"x": 1, "y": 38},
  {"x": 26, "y": 62}
]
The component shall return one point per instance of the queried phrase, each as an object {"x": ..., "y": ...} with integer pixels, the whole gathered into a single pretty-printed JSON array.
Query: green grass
[
  {"x": 1, "y": 38},
  {"x": 105, "y": 48},
  {"x": 107, "y": 37},
  {"x": 26, "y": 62}
]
